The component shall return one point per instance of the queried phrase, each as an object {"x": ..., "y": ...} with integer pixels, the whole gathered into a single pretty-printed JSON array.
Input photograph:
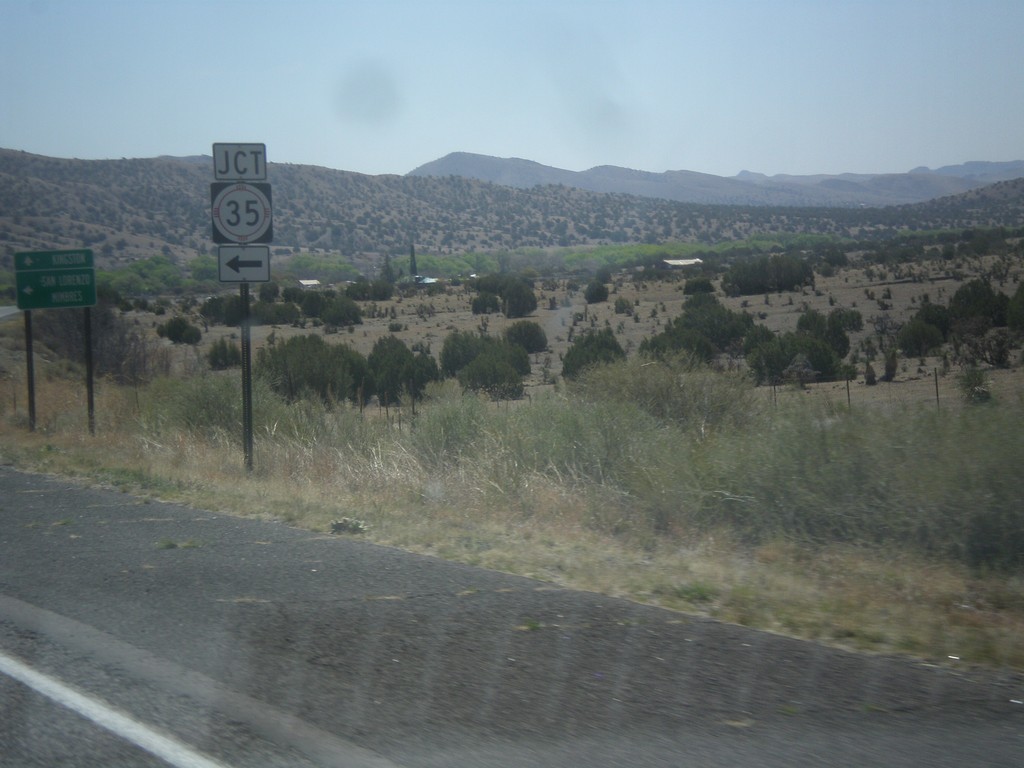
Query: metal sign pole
[
  {"x": 30, "y": 372},
  {"x": 89, "y": 371},
  {"x": 246, "y": 377}
]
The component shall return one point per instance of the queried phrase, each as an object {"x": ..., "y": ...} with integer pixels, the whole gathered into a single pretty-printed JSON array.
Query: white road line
[{"x": 164, "y": 747}]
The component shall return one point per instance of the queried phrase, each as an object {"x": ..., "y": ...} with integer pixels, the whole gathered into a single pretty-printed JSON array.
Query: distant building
[
  {"x": 309, "y": 285},
  {"x": 681, "y": 263}
]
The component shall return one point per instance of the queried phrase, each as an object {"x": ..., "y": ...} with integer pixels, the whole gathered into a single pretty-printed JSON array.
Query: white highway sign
[
  {"x": 240, "y": 162},
  {"x": 241, "y": 212},
  {"x": 243, "y": 263}
]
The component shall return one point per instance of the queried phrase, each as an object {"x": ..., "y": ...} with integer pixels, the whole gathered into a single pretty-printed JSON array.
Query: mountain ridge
[{"x": 746, "y": 188}]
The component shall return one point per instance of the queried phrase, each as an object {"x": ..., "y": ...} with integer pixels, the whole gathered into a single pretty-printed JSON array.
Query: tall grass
[
  {"x": 630, "y": 481},
  {"x": 664, "y": 449}
]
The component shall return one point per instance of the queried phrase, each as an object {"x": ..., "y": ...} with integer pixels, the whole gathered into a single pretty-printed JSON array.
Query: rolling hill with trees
[{"x": 130, "y": 210}]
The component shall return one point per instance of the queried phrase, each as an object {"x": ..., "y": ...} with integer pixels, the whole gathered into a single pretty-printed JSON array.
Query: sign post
[
  {"x": 56, "y": 280},
  {"x": 240, "y": 203}
]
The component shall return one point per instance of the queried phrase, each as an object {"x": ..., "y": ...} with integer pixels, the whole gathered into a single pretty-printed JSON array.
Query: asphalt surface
[{"x": 251, "y": 643}]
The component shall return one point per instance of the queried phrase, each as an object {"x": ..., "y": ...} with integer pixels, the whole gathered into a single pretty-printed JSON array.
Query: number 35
[{"x": 252, "y": 213}]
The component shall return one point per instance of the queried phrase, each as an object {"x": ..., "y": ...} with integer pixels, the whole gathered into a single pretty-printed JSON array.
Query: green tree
[
  {"x": 492, "y": 372},
  {"x": 518, "y": 299},
  {"x": 918, "y": 338},
  {"x": 770, "y": 359},
  {"x": 484, "y": 303},
  {"x": 936, "y": 315},
  {"x": 459, "y": 350},
  {"x": 528, "y": 335},
  {"x": 340, "y": 311},
  {"x": 1015, "y": 310},
  {"x": 977, "y": 299},
  {"x": 387, "y": 272},
  {"x": 307, "y": 366},
  {"x": 313, "y": 304},
  {"x": 203, "y": 269},
  {"x": 705, "y": 328},
  {"x": 179, "y": 331},
  {"x": 391, "y": 364},
  {"x": 269, "y": 291},
  {"x": 698, "y": 285},
  {"x": 596, "y": 292},
  {"x": 593, "y": 348}
]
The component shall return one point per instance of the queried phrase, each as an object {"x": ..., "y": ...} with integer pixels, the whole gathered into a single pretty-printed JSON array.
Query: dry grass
[{"x": 558, "y": 527}]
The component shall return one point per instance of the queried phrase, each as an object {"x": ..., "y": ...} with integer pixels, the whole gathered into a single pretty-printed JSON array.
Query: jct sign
[{"x": 240, "y": 162}]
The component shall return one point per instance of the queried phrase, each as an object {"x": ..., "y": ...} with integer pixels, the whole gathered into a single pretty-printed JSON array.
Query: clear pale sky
[{"x": 382, "y": 86}]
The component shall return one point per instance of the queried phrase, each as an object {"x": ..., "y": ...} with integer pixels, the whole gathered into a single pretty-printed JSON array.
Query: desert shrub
[
  {"x": 528, "y": 335},
  {"x": 205, "y": 406},
  {"x": 493, "y": 374},
  {"x": 595, "y": 348},
  {"x": 698, "y": 285},
  {"x": 222, "y": 310},
  {"x": 341, "y": 310},
  {"x": 485, "y": 303},
  {"x": 516, "y": 293},
  {"x": 974, "y": 385},
  {"x": 891, "y": 365},
  {"x": 274, "y": 313},
  {"x": 223, "y": 354},
  {"x": 935, "y": 315},
  {"x": 1015, "y": 310},
  {"x": 977, "y": 299},
  {"x": 120, "y": 349},
  {"x": 364, "y": 290},
  {"x": 497, "y": 369},
  {"x": 918, "y": 338},
  {"x": 307, "y": 366},
  {"x": 596, "y": 292},
  {"x": 870, "y": 377},
  {"x": 390, "y": 363},
  {"x": 705, "y": 328},
  {"x": 396, "y": 370},
  {"x": 518, "y": 299},
  {"x": 314, "y": 303},
  {"x": 179, "y": 331},
  {"x": 458, "y": 351},
  {"x": 770, "y": 359},
  {"x": 767, "y": 274}
]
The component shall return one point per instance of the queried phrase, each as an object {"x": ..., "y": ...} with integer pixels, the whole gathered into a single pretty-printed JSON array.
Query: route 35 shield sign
[{"x": 241, "y": 212}]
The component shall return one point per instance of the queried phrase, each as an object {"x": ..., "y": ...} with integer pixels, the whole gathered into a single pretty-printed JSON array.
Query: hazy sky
[{"x": 382, "y": 86}]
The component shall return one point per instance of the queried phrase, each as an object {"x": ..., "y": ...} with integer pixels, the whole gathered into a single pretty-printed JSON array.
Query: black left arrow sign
[
  {"x": 243, "y": 264},
  {"x": 237, "y": 264}
]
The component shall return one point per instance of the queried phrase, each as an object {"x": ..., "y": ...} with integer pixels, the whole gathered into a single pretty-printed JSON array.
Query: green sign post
[{"x": 56, "y": 280}]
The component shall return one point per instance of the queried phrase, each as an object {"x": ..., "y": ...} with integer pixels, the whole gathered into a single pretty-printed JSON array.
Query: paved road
[{"x": 147, "y": 634}]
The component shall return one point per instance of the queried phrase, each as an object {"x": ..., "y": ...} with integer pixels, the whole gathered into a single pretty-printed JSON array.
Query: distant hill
[
  {"x": 747, "y": 188},
  {"x": 132, "y": 209}
]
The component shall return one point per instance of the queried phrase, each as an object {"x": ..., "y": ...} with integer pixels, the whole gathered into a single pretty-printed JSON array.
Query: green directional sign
[{"x": 55, "y": 279}]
